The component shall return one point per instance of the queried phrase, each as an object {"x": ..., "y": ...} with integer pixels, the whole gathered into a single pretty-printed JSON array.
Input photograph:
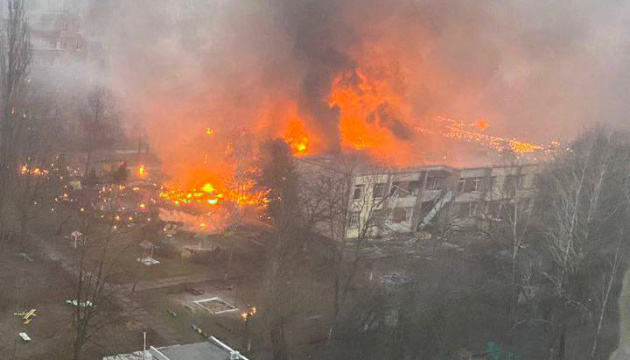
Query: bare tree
[
  {"x": 582, "y": 212},
  {"x": 97, "y": 261},
  {"x": 97, "y": 122},
  {"x": 345, "y": 200},
  {"x": 509, "y": 211},
  {"x": 15, "y": 57}
]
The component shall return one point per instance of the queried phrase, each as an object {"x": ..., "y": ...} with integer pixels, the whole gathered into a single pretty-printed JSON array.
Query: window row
[
  {"x": 53, "y": 44},
  {"x": 401, "y": 188}
]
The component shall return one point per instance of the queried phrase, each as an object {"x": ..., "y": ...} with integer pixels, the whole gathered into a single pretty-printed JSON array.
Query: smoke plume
[{"x": 347, "y": 68}]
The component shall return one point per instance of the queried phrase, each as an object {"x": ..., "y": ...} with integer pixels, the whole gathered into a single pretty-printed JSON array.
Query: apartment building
[{"x": 384, "y": 202}]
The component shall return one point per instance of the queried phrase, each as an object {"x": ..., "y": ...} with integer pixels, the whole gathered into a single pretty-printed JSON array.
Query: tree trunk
[
  {"x": 88, "y": 160},
  {"x": 563, "y": 341},
  {"x": 278, "y": 342},
  {"x": 23, "y": 229}
]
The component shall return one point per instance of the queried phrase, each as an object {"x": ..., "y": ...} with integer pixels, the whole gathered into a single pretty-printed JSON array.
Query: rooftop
[{"x": 213, "y": 349}]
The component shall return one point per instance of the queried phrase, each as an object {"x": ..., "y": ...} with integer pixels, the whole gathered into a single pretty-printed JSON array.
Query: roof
[
  {"x": 362, "y": 166},
  {"x": 198, "y": 351},
  {"x": 213, "y": 349}
]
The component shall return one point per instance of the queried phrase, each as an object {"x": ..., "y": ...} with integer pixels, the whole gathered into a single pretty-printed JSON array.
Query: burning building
[{"x": 406, "y": 84}]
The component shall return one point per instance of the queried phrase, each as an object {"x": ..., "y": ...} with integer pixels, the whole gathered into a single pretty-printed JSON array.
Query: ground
[
  {"x": 40, "y": 285},
  {"x": 157, "y": 299},
  {"x": 155, "y": 293}
]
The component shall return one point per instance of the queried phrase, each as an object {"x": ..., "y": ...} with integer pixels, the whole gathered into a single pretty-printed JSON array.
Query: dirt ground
[
  {"x": 162, "y": 302},
  {"x": 40, "y": 285}
]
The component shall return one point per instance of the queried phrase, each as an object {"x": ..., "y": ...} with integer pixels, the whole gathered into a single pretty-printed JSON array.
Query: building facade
[{"x": 385, "y": 202}]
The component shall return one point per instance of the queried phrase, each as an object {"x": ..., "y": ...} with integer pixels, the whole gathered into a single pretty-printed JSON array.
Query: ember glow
[
  {"x": 298, "y": 138},
  {"x": 194, "y": 196},
  {"x": 461, "y": 131},
  {"x": 142, "y": 171},
  {"x": 35, "y": 171}
]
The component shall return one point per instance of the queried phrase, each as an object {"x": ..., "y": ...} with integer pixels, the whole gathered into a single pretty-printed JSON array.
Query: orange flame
[
  {"x": 297, "y": 137},
  {"x": 142, "y": 172}
]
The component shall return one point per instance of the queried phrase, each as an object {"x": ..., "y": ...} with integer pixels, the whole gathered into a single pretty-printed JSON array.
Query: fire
[
  {"x": 297, "y": 137},
  {"x": 481, "y": 124},
  {"x": 24, "y": 170},
  {"x": 142, "y": 172},
  {"x": 374, "y": 117},
  {"x": 361, "y": 108},
  {"x": 208, "y": 188},
  {"x": 459, "y": 130},
  {"x": 209, "y": 195},
  {"x": 180, "y": 197}
]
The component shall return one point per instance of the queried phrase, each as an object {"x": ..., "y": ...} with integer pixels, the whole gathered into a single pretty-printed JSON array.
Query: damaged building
[{"x": 414, "y": 202}]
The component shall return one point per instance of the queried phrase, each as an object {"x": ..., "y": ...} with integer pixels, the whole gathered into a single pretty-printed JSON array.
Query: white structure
[
  {"x": 213, "y": 349},
  {"x": 408, "y": 201}
]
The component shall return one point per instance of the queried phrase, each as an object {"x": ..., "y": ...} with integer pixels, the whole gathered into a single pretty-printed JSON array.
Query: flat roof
[
  {"x": 198, "y": 351},
  {"x": 213, "y": 349}
]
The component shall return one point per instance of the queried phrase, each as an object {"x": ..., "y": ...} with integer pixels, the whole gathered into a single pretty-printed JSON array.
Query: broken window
[
  {"x": 378, "y": 191},
  {"x": 399, "y": 215},
  {"x": 435, "y": 183},
  {"x": 358, "y": 192},
  {"x": 414, "y": 187}
]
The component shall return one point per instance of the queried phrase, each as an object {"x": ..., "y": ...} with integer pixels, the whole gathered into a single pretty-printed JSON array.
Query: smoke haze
[{"x": 532, "y": 69}]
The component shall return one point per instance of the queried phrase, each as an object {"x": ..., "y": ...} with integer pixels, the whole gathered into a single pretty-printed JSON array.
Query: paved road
[{"x": 172, "y": 281}]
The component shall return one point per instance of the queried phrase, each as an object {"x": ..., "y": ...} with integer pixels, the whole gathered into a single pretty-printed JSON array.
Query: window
[
  {"x": 78, "y": 46},
  {"x": 64, "y": 26},
  {"x": 467, "y": 210},
  {"x": 461, "y": 184},
  {"x": 52, "y": 44},
  {"x": 377, "y": 217},
  {"x": 513, "y": 183},
  {"x": 523, "y": 205},
  {"x": 64, "y": 45},
  {"x": 400, "y": 215},
  {"x": 354, "y": 219},
  {"x": 493, "y": 209},
  {"x": 378, "y": 191},
  {"x": 434, "y": 183},
  {"x": 414, "y": 187},
  {"x": 490, "y": 181},
  {"x": 358, "y": 192},
  {"x": 473, "y": 184}
]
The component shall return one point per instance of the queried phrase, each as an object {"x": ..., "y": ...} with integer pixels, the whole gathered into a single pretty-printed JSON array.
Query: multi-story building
[
  {"x": 382, "y": 202},
  {"x": 65, "y": 62}
]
